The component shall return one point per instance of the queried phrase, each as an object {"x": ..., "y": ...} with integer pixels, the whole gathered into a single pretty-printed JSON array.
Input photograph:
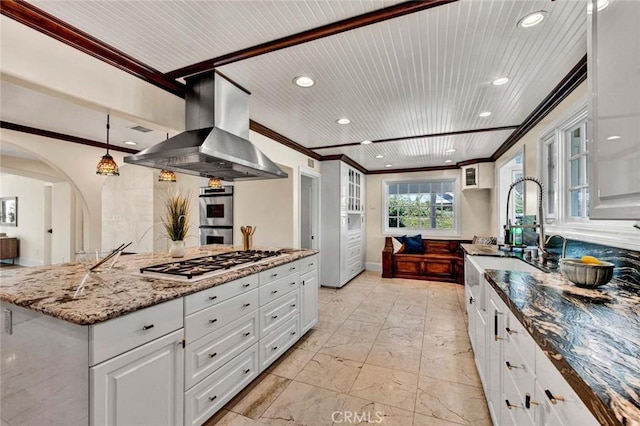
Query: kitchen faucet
[
  {"x": 564, "y": 244},
  {"x": 541, "y": 237}
]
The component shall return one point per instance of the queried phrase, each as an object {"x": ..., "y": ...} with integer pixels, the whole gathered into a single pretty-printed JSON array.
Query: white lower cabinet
[
  {"x": 521, "y": 385},
  {"x": 278, "y": 342},
  {"x": 141, "y": 387},
  {"x": 309, "y": 300}
]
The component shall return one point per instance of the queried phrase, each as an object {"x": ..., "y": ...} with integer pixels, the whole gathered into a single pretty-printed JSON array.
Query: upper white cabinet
[
  {"x": 614, "y": 113},
  {"x": 477, "y": 176}
]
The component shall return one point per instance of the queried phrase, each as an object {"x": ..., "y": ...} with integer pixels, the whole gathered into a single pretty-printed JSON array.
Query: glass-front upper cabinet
[
  {"x": 355, "y": 191},
  {"x": 614, "y": 111}
]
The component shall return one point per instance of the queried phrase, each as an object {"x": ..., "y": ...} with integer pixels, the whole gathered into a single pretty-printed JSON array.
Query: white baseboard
[
  {"x": 373, "y": 266},
  {"x": 23, "y": 261}
]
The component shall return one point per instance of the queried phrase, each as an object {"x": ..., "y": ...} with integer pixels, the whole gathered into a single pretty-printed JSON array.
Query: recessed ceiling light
[
  {"x": 532, "y": 19},
  {"x": 500, "y": 81},
  {"x": 448, "y": 161},
  {"x": 365, "y": 142},
  {"x": 484, "y": 114},
  {"x": 304, "y": 81},
  {"x": 343, "y": 120},
  {"x": 379, "y": 156},
  {"x": 388, "y": 165},
  {"x": 450, "y": 150},
  {"x": 600, "y": 4},
  {"x": 130, "y": 143},
  {"x": 614, "y": 138}
]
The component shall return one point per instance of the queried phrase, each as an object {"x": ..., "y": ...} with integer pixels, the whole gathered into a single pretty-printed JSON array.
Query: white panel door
[
  {"x": 142, "y": 387},
  {"x": 309, "y": 291}
]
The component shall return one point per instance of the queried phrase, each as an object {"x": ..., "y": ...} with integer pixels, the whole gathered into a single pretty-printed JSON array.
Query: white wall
[
  {"x": 63, "y": 206},
  {"x": 530, "y": 143},
  {"x": 475, "y": 211},
  {"x": 30, "y": 229}
]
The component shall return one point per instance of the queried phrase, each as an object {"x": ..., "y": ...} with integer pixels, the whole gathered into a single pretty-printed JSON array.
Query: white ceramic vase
[{"x": 177, "y": 249}]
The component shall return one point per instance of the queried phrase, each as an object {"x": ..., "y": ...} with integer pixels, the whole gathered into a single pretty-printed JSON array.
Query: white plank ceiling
[{"x": 424, "y": 73}]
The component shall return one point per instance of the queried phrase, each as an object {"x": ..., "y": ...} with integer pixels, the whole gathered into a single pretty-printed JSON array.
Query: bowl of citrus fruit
[{"x": 587, "y": 271}]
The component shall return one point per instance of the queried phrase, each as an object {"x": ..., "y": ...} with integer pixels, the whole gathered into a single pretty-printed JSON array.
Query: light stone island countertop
[{"x": 50, "y": 289}]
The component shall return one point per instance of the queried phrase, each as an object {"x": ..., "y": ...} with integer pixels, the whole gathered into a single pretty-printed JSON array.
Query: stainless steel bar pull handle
[
  {"x": 553, "y": 398},
  {"x": 147, "y": 327},
  {"x": 510, "y": 406},
  {"x": 510, "y": 331},
  {"x": 509, "y": 366},
  {"x": 213, "y": 354},
  {"x": 528, "y": 402}
]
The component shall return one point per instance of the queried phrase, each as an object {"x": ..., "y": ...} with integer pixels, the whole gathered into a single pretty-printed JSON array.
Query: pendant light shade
[
  {"x": 215, "y": 183},
  {"x": 107, "y": 165},
  {"x": 167, "y": 175}
]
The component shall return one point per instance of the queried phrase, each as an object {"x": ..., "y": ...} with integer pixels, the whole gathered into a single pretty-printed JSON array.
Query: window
[
  {"x": 578, "y": 185},
  {"x": 421, "y": 206}
]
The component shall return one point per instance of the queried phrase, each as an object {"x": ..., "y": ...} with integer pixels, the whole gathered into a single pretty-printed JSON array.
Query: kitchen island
[
  {"x": 132, "y": 350},
  {"x": 589, "y": 337}
]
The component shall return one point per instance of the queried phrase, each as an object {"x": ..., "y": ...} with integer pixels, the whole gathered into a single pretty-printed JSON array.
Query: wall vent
[
  {"x": 141, "y": 129},
  {"x": 310, "y": 162}
]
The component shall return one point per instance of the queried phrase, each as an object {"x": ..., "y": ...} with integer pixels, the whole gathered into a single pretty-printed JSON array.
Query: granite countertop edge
[{"x": 92, "y": 308}]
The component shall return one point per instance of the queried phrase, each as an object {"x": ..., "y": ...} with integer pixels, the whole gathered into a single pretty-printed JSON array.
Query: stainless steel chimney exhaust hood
[{"x": 215, "y": 143}]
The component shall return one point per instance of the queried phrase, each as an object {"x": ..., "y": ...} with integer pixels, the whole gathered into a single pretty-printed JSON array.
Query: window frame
[{"x": 455, "y": 232}]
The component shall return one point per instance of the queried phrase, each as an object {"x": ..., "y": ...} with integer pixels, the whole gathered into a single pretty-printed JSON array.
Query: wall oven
[{"x": 216, "y": 215}]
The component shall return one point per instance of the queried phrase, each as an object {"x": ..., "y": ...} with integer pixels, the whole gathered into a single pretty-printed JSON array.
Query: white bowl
[{"x": 586, "y": 274}]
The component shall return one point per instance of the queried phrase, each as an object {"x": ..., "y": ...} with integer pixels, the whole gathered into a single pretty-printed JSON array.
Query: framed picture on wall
[{"x": 8, "y": 211}]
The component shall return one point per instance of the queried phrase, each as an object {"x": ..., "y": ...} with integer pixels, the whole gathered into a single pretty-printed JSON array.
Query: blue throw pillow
[{"x": 413, "y": 245}]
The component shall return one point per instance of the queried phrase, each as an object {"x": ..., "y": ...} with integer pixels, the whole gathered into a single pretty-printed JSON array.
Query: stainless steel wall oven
[{"x": 216, "y": 215}]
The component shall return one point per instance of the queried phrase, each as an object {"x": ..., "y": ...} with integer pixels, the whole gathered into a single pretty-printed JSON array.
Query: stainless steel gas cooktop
[{"x": 203, "y": 267}]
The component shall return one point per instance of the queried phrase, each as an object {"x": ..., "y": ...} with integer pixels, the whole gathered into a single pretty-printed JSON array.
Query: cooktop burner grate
[{"x": 198, "y": 266}]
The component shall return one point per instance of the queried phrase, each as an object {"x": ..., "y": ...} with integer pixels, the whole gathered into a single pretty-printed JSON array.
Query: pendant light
[
  {"x": 107, "y": 166},
  {"x": 167, "y": 175},
  {"x": 215, "y": 183}
]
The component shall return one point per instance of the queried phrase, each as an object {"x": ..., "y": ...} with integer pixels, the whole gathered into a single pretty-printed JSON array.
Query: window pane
[
  {"x": 586, "y": 168},
  {"x": 575, "y": 173},
  {"x": 425, "y": 188},
  {"x": 393, "y": 222},
  {"x": 403, "y": 188},
  {"x": 421, "y": 205},
  {"x": 575, "y": 203},
  {"x": 586, "y": 190},
  {"x": 551, "y": 178},
  {"x": 575, "y": 141},
  {"x": 393, "y": 189},
  {"x": 414, "y": 188},
  {"x": 447, "y": 186}
]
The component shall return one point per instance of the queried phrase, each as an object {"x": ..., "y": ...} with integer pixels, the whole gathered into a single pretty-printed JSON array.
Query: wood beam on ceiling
[
  {"x": 272, "y": 134},
  {"x": 574, "y": 77},
  {"x": 45, "y": 23},
  {"x": 347, "y": 160},
  {"x": 333, "y": 28},
  {"x": 431, "y": 168},
  {"x": 64, "y": 137},
  {"x": 429, "y": 135}
]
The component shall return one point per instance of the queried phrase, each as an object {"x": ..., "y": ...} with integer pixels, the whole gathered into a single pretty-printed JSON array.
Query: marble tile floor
[{"x": 385, "y": 351}]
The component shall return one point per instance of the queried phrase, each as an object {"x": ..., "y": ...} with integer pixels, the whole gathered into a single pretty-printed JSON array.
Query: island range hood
[{"x": 215, "y": 143}]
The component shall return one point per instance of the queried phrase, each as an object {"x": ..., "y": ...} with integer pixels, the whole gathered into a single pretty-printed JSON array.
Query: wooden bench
[{"x": 443, "y": 260}]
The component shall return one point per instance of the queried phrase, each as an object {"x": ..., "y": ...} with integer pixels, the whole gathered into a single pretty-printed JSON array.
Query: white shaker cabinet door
[
  {"x": 309, "y": 290},
  {"x": 141, "y": 387}
]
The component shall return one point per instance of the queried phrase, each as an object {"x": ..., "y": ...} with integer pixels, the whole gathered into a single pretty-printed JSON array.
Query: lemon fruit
[{"x": 590, "y": 260}]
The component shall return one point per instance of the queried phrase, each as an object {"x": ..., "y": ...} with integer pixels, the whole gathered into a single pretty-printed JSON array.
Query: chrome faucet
[
  {"x": 541, "y": 238},
  {"x": 564, "y": 246}
]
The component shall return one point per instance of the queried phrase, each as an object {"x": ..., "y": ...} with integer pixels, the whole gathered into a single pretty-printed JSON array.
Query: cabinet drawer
[
  {"x": 568, "y": 406},
  {"x": 278, "y": 342},
  {"x": 516, "y": 335},
  {"x": 351, "y": 244},
  {"x": 354, "y": 268},
  {"x": 308, "y": 264},
  {"x": 278, "y": 272},
  {"x": 206, "y": 355},
  {"x": 278, "y": 312},
  {"x": 217, "y": 316},
  {"x": 119, "y": 335},
  {"x": 515, "y": 366},
  {"x": 220, "y": 293},
  {"x": 275, "y": 289},
  {"x": 512, "y": 406},
  {"x": 208, "y": 396},
  {"x": 354, "y": 253}
]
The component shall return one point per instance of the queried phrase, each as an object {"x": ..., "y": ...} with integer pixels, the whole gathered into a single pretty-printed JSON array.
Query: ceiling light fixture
[
  {"x": 107, "y": 166},
  {"x": 388, "y": 165},
  {"x": 379, "y": 156},
  {"x": 450, "y": 150},
  {"x": 167, "y": 175},
  {"x": 304, "y": 81},
  {"x": 532, "y": 19},
  {"x": 484, "y": 114},
  {"x": 614, "y": 138},
  {"x": 600, "y": 4},
  {"x": 132, "y": 143},
  {"x": 215, "y": 183},
  {"x": 366, "y": 142},
  {"x": 448, "y": 161},
  {"x": 500, "y": 81},
  {"x": 343, "y": 120}
]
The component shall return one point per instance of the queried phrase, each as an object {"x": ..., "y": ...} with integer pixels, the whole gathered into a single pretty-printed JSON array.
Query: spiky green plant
[{"x": 176, "y": 222}]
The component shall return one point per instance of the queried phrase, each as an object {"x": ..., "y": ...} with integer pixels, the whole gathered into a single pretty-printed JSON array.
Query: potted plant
[{"x": 176, "y": 222}]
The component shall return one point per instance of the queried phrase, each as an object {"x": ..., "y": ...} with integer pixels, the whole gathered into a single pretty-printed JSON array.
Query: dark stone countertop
[
  {"x": 121, "y": 290},
  {"x": 592, "y": 336}
]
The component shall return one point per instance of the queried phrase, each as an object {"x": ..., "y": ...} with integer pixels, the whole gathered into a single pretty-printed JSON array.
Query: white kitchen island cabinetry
[
  {"x": 173, "y": 363},
  {"x": 342, "y": 221},
  {"x": 517, "y": 377},
  {"x": 614, "y": 111}
]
